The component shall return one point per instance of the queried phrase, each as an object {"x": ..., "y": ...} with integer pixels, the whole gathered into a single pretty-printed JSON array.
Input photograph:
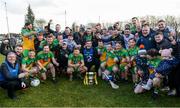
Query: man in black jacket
[
  {"x": 117, "y": 38},
  {"x": 61, "y": 55},
  {"x": 37, "y": 41},
  {"x": 174, "y": 76},
  {"x": 161, "y": 42}
]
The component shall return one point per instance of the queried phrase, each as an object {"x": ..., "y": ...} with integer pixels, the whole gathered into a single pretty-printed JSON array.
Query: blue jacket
[
  {"x": 166, "y": 66},
  {"x": 147, "y": 41},
  {"x": 8, "y": 72}
]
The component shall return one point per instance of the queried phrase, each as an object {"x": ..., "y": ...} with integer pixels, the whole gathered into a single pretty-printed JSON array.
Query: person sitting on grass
[
  {"x": 44, "y": 59},
  {"x": 11, "y": 77},
  {"x": 29, "y": 64},
  {"x": 76, "y": 64}
]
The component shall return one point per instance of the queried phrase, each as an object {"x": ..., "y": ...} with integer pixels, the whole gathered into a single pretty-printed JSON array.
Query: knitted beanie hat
[{"x": 142, "y": 51}]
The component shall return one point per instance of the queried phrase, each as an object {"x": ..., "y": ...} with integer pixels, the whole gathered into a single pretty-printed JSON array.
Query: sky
[{"x": 82, "y": 11}]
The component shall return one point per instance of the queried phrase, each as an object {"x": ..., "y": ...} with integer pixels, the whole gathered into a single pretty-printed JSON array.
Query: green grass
[{"x": 75, "y": 94}]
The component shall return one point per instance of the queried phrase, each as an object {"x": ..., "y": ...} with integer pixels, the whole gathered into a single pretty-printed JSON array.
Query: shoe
[
  {"x": 135, "y": 84},
  {"x": 155, "y": 95},
  {"x": 79, "y": 76},
  {"x": 172, "y": 93},
  {"x": 54, "y": 81},
  {"x": 146, "y": 87},
  {"x": 13, "y": 97},
  {"x": 70, "y": 78},
  {"x": 165, "y": 89},
  {"x": 43, "y": 82}
]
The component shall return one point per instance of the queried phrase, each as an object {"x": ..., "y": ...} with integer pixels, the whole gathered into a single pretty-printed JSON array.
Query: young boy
[
  {"x": 101, "y": 50},
  {"x": 142, "y": 65},
  {"x": 133, "y": 51},
  {"x": 122, "y": 56},
  {"x": 76, "y": 64},
  {"x": 142, "y": 69},
  {"x": 110, "y": 65},
  {"x": 153, "y": 62}
]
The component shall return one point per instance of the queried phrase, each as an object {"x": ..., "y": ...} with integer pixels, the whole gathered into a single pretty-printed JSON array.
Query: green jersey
[
  {"x": 29, "y": 62},
  {"x": 75, "y": 59},
  {"x": 133, "y": 51},
  {"x": 133, "y": 28},
  {"x": 27, "y": 32},
  {"x": 121, "y": 53},
  {"x": 110, "y": 56},
  {"x": 51, "y": 46},
  {"x": 154, "y": 62},
  {"x": 45, "y": 58},
  {"x": 88, "y": 38},
  {"x": 101, "y": 50}
]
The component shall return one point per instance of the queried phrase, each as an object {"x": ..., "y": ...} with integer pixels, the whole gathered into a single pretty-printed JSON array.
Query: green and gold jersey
[
  {"x": 102, "y": 52},
  {"x": 28, "y": 39},
  {"x": 154, "y": 62},
  {"x": 45, "y": 58},
  {"x": 29, "y": 62},
  {"x": 110, "y": 56},
  {"x": 75, "y": 59}
]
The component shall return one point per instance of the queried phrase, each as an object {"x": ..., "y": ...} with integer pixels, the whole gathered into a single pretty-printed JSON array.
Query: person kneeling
[
  {"x": 76, "y": 64},
  {"x": 10, "y": 76}
]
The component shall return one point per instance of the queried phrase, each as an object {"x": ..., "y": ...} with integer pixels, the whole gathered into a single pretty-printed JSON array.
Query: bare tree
[{"x": 39, "y": 23}]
